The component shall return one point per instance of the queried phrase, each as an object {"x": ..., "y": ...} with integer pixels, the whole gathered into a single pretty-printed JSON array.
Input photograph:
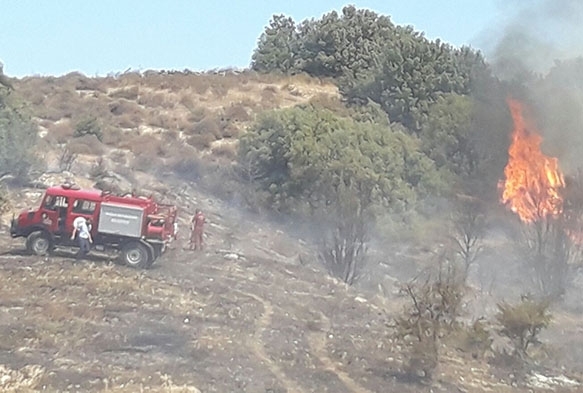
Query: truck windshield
[
  {"x": 49, "y": 202},
  {"x": 54, "y": 202}
]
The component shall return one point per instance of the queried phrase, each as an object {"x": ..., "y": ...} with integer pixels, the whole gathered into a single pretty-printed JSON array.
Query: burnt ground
[{"x": 245, "y": 315}]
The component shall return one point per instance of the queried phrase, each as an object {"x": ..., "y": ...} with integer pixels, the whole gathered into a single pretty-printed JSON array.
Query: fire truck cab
[{"x": 138, "y": 227}]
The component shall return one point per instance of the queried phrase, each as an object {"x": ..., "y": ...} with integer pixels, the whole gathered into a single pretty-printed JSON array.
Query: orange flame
[{"x": 533, "y": 181}]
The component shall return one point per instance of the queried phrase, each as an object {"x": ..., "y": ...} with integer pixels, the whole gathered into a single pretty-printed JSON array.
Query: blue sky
[{"x": 107, "y": 36}]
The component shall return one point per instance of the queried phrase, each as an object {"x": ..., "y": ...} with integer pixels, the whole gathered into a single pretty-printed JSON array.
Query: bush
[
  {"x": 66, "y": 159},
  {"x": 236, "y": 112},
  {"x": 4, "y": 200},
  {"x": 430, "y": 315},
  {"x": 422, "y": 359},
  {"x": 18, "y": 136},
  {"x": 188, "y": 168},
  {"x": 146, "y": 163},
  {"x": 475, "y": 339},
  {"x": 142, "y": 145},
  {"x": 197, "y": 114},
  {"x": 61, "y": 131},
  {"x": 98, "y": 169},
  {"x": 88, "y": 126},
  {"x": 113, "y": 136},
  {"x": 226, "y": 150},
  {"x": 128, "y": 93},
  {"x": 523, "y": 322},
  {"x": 88, "y": 145},
  {"x": 201, "y": 141},
  {"x": 208, "y": 125}
]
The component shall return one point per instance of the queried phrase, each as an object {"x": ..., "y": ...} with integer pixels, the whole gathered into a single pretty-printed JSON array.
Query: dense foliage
[
  {"x": 372, "y": 59},
  {"x": 444, "y": 96},
  {"x": 308, "y": 154},
  {"x": 18, "y": 135}
]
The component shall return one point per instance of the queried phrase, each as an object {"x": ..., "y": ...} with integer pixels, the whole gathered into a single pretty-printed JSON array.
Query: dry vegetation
[{"x": 161, "y": 122}]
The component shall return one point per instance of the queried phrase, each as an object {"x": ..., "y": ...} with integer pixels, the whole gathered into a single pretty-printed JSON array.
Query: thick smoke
[
  {"x": 533, "y": 35},
  {"x": 538, "y": 45}
]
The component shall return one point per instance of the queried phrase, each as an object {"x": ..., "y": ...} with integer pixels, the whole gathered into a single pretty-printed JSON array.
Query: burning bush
[{"x": 533, "y": 189}]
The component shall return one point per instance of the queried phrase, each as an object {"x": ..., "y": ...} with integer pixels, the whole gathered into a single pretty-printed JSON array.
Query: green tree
[
  {"x": 305, "y": 153},
  {"x": 338, "y": 46},
  {"x": 347, "y": 45},
  {"x": 18, "y": 136},
  {"x": 277, "y": 47},
  {"x": 89, "y": 126},
  {"x": 413, "y": 74},
  {"x": 446, "y": 135},
  {"x": 338, "y": 170}
]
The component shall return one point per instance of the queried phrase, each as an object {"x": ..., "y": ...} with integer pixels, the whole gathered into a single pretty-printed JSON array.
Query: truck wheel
[
  {"x": 38, "y": 243},
  {"x": 136, "y": 255}
]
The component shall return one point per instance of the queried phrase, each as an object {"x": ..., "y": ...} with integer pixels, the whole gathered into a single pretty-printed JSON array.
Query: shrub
[
  {"x": 188, "y": 168},
  {"x": 142, "y": 145},
  {"x": 113, "y": 136},
  {"x": 128, "y": 121},
  {"x": 226, "y": 150},
  {"x": 98, "y": 169},
  {"x": 146, "y": 163},
  {"x": 208, "y": 125},
  {"x": 422, "y": 359},
  {"x": 269, "y": 97},
  {"x": 236, "y": 112},
  {"x": 66, "y": 159},
  {"x": 475, "y": 339},
  {"x": 430, "y": 315},
  {"x": 88, "y": 126},
  {"x": 231, "y": 131},
  {"x": 88, "y": 145},
  {"x": 201, "y": 141},
  {"x": 187, "y": 101},
  {"x": 123, "y": 106},
  {"x": 118, "y": 156},
  {"x": 4, "y": 200},
  {"x": 523, "y": 322},
  {"x": 197, "y": 114},
  {"x": 18, "y": 136},
  {"x": 129, "y": 93},
  {"x": 61, "y": 131}
]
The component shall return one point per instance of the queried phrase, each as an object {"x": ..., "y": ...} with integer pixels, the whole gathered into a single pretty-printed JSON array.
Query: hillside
[
  {"x": 161, "y": 116},
  {"x": 255, "y": 312}
]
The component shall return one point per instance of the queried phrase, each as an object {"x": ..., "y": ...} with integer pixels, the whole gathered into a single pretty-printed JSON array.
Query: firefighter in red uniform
[{"x": 197, "y": 226}]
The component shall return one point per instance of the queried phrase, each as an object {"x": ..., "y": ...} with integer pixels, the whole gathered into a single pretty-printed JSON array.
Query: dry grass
[
  {"x": 129, "y": 93},
  {"x": 225, "y": 150},
  {"x": 236, "y": 113},
  {"x": 87, "y": 145},
  {"x": 142, "y": 145},
  {"x": 61, "y": 131},
  {"x": 112, "y": 136},
  {"x": 201, "y": 141},
  {"x": 124, "y": 106},
  {"x": 187, "y": 109},
  {"x": 210, "y": 125}
]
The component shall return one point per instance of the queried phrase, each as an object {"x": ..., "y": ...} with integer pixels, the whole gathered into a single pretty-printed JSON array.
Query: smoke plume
[
  {"x": 538, "y": 45},
  {"x": 533, "y": 35}
]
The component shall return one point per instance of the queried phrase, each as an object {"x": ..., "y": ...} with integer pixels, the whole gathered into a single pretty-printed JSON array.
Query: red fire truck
[{"x": 138, "y": 227}]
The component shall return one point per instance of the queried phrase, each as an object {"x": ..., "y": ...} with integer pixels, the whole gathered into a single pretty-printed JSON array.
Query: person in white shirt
[{"x": 82, "y": 229}]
